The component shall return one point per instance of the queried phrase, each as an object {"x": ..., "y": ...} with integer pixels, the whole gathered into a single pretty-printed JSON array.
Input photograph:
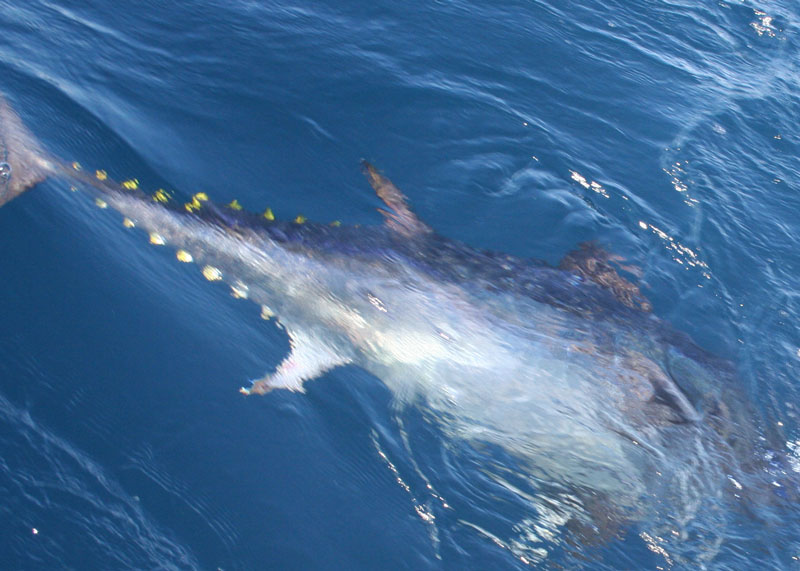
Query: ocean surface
[{"x": 667, "y": 132}]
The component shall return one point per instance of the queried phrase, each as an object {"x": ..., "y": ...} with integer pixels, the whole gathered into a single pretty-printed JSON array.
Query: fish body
[{"x": 564, "y": 367}]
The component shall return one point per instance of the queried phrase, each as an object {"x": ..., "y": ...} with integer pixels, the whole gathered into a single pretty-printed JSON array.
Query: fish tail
[{"x": 23, "y": 161}]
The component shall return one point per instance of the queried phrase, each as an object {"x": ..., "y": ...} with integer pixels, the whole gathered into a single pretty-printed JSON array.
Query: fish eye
[{"x": 5, "y": 171}]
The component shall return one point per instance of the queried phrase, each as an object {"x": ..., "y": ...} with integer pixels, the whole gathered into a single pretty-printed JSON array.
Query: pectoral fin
[
  {"x": 309, "y": 358},
  {"x": 669, "y": 394}
]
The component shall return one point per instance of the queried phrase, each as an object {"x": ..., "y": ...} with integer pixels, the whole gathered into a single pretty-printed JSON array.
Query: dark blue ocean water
[{"x": 666, "y": 131}]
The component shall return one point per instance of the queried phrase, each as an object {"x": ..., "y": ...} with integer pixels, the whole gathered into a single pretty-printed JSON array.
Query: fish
[{"x": 565, "y": 367}]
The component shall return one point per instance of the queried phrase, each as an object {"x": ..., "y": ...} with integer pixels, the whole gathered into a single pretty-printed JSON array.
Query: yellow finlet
[
  {"x": 128, "y": 223},
  {"x": 161, "y": 196},
  {"x": 300, "y": 219},
  {"x": 157, "y": 239},
  {"x": 269, "y": 215},
  {"x": 336, "y": 223},
  {"x": 240, "y": 290},
  {"x": 184, "y": 256},
  {"x": 234, "y": 205},
  {"x": 101, "y": 175},
  {"x": 76, "y": 165},
  {"x": 266, "y": 313},
  {"x": 131, "y": 184},
  {"x": 101, "y": 203},
  {"x": 197, "y": 202},
  {"x": 212, "y": 274}
]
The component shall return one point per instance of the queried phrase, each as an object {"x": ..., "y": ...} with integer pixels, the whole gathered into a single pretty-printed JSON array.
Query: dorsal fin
[
  {"x": 592, "y": 262},
  {"x": 400, "y": 219}
]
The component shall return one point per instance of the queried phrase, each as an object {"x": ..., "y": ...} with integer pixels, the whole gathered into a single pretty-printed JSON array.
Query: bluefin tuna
[{"x": 566, "y": 368}]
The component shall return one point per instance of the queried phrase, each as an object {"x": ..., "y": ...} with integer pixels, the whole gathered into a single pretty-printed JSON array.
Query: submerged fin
[
  {"x": 23, "y": 161},
  {"x": 592, "y": 262},
  {"x": 400, "y": 219},
  {"x": 670, "y": 395},
  {"x": 309, "y": 358}
]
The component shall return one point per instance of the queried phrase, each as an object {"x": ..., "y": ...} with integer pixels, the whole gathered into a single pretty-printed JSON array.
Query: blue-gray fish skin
[{"x": 565, "y": 368}]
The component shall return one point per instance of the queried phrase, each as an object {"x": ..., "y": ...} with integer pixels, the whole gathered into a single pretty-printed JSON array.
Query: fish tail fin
[{"x": 23, "y": 161}]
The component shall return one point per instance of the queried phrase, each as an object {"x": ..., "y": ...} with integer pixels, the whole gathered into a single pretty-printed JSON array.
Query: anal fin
[{"x": 309, "y": 358}]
